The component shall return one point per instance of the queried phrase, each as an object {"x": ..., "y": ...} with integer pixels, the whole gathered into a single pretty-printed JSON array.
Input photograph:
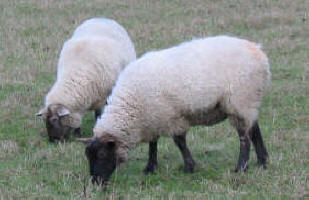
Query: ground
[{"x": 31, "y": 35}]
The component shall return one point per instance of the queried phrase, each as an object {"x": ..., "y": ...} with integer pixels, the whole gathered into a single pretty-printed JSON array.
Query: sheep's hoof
[
  {"x": 150, "y": 168},
  {"x": 241, "y": 169},
  {"x": 262, "y": 164},
  {"x": 189, "y": 168}
]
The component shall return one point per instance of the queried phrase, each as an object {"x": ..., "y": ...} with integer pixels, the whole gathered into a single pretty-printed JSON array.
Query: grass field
[{"x": 31, "y": 35}]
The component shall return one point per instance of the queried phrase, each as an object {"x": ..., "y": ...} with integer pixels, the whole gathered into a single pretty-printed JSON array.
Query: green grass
[{"x": 31, "y": 35}]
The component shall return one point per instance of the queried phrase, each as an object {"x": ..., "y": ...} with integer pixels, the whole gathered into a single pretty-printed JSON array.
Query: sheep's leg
[
  {"x": 258, "y": 143},
  {"x": 152, "y": 159},
  {"x": 244, "y": 151},
  {"x": 77, "y": 132},
  {"x": 97, "y": 113},
  {"x": 180, "y": 141}
]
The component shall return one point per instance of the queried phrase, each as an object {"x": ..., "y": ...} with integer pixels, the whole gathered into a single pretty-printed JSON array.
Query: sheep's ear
[
  {"x": 63, "y": 112},
  {"x": 86, "y": 141},
  {"x": 41, "y": 112}
]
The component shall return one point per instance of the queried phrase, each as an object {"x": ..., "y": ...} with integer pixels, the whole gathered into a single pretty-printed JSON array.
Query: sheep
[
  {"x": 201, "y": 82},
  {"x": 89, "y": 64}
]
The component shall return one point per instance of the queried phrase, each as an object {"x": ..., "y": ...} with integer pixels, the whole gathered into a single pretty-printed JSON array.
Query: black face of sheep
[
  {"x": 56, "y": 131},
  {"x": 102, "y": 159},
  {"x": 52, "y": 116}
]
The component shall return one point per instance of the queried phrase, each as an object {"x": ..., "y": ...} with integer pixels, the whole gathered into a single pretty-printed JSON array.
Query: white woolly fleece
[
  {"x": 89, "y": 64},
  {"x": 200, "y": 82}
]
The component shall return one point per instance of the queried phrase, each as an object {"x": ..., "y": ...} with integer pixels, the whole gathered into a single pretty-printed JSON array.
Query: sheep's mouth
[{"x": 61, "y": 135}]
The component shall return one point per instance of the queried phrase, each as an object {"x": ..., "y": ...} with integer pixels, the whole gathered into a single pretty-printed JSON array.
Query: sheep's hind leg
[
  {"x": 244, "y": 151},
  {"x": 152, "y": 160},
  {"x": 258, "y": 143},
  {"x": 180, "y": 141},
  {"x": 97, "y": 113}
]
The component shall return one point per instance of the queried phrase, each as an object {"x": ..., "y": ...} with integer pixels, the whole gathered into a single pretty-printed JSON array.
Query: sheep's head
[
  {"x": 60, "y": 122},
  {"x": 102, "y": 156}
]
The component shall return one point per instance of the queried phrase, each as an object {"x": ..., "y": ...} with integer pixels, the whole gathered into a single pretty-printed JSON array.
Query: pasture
[{"x": 31, "y": 36}]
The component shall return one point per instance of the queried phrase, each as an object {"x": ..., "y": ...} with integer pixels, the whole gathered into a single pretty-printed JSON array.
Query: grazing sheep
[
  {"x": 163, "y": 93},
  {"x": 89, "y": 64}
]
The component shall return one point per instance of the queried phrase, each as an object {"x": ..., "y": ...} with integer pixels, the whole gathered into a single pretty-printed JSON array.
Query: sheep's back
[{"x": 196, "y": 74}]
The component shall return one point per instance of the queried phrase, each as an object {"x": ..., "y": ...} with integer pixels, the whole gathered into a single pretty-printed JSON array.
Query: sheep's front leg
[
  {"x": 180, "y": 141},
  {"x": 77, "y": 132},
  {"x": 258, "y": 143},
  {"x": 152, "y": 159},
  {"x": 244, "y": 151},
  {"x": 97, "y": 113}
]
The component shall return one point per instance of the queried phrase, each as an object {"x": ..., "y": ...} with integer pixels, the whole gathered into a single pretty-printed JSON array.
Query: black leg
[
  {"x": 180, "y": 141},
  {"x": 77, "y": 132},
  {"x": 152, "y": 159},
  {"x": 244, "y": 151},
  {"x": 97, "y": 114},
  {"x": 258, "y": 143}
]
